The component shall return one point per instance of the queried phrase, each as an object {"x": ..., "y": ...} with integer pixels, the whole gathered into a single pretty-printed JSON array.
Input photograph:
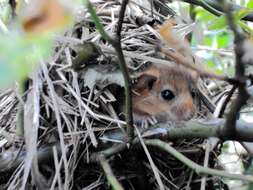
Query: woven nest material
[{"x": 69, "y": 100}]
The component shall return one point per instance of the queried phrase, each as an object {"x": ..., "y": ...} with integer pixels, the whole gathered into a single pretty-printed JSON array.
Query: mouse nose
[{"x": 184, "y": 111}]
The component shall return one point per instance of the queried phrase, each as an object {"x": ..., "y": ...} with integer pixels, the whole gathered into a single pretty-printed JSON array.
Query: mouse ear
[{"x": 145, "y": 81}]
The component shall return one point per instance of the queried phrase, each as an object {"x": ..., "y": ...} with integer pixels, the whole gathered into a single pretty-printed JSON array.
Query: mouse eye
[
  {"x": 193, "y": 94},
  {"x": 167, "y": 94}
]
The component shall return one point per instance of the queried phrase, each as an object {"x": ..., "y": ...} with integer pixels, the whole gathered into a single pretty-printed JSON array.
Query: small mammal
[{"x": 165, "y": 93}]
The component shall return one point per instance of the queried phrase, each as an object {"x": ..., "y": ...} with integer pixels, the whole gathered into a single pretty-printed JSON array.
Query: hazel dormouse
[{"x": 164, "y": 93}]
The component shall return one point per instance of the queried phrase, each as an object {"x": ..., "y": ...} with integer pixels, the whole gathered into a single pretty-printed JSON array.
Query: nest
[{"x": 69, "y": 104}]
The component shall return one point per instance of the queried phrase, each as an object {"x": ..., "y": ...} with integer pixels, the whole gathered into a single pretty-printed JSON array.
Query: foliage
[
  {"x": 30, "y": 39},
  {"x": 218, "y": 39},
  {"x": 18, "y": 59}
]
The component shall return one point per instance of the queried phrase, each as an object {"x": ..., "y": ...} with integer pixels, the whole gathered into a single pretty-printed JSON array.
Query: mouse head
[{"x": 164, "y": 93}]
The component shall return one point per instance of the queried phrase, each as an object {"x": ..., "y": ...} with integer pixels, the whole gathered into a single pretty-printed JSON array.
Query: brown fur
[{"x": 149, "y": 102}]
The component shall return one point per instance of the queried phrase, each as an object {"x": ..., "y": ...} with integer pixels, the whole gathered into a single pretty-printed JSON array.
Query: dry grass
[{"x": 65, "y": 120}]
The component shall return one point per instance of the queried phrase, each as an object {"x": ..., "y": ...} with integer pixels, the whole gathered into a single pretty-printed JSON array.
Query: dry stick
[
  {"x": 109, "y": 174},
  {"x": 181, "y": 60},
  {"x": 152, "y": 164},
  {"x": 115, "y": 42},
  {"x": 124, "y": 70},
  {"x": 107, "y": 153},
  {"x": 224, "y": 105},
  {"x": 206, "y": 162},
  {"x": 197, "y": 168},
  {"x": 243, "y": 96},
  {"x": 58, "y": 122},
  {"x": 20, "y": 113},
  {"x": 186, "y": 130}
]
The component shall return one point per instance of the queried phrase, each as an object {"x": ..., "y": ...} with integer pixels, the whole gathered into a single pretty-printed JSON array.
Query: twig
[
  {"x": 205, "y": 99},
  {"x": 186, "y": 130},
  {"x": 197, "y": 168},
  {"x": 206, "y": 162},
  {"x": 53, "y": 96},
  {"x": 152, "y": 164},
  {"x": 192, "y": 129},
  {"x": 205, "y": 5},
  {"x": 108, "y": 152},
  {"x": 204, "y": 129},
  {"x": 122, "y": 63},
  {"x": 20, "y": 113},
  {"x": 243, "y": 96},
  {"x": 109, "y": 174},
  {"x": 224, "y": 105},
  {"x": 181, "y": 60},
  {"x": 121, "y": 18},
  {"x": 215, "y": 7},
  {"x": 124, "y": 70},
  {"x": 152, "y": 8}
]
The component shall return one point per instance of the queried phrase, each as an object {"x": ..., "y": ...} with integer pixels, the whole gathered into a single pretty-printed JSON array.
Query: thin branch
[
  {"x": 20, "y": 113},
  {"x": 181, "y": 60},
  {"x": 152, "y": 164},
  {"x": 109, "y": 174},
  {"x": 122, "y": 63},
  {"x": 124, "y": 70},
  {"x": 215, "y": 7},
  {"x": 206, "y": 162},
  {"x": 227, "y": 100},
  {"x": 204, "y": 5},
  {"x": 205, "y": 129},
  {"x": 197, "y": 168},
  {"x": 121, "y": 18},
  {"x": 189, "y": 130},
  {"x": 243, "y": 96},
  {"x": 187, "y": 63},
  {"x": 108, "y": 152},
  {"x": 183, "y": 130},
  {"x": 97, "y": 22},
  {"x": 128, "y": 93}
]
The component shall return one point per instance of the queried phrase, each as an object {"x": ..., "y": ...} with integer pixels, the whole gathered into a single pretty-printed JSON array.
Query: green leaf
[
  {"x": 203, "y": 15},
  {"x": 19, "y": 54},
  {"x": 241, "y": 13},
  {"x": 223, "y": 40},
  {"x": 218, "y": 23},
  {"x": 250, "y": 4},
  {"x": 246, "y": 27},
  {"x": 208, "y": 40},
  {"x": 213, "y": 67}
]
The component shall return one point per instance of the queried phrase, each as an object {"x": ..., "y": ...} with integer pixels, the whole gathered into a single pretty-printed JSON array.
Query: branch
[
  {"x": 121, "y": 17},
  {"x": 20, "y": 113},
  {"x": 108, "y": 152},
  {"x": 109, "y": 174},
  {"x": 227, "y": 100},
  {"x": 216, "y": 8},
  {"x": 197, "y": 168},
  {"x": 122, "y": 63},
  {"x": 11, "y": 159},
  {"x": 188, "y": 63},
  {"x": 188, "y": 130},
  {"x": 205, "y": 129},
  {"x": 243, "y": 96},
  {"x": 124, "y": 70}
]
